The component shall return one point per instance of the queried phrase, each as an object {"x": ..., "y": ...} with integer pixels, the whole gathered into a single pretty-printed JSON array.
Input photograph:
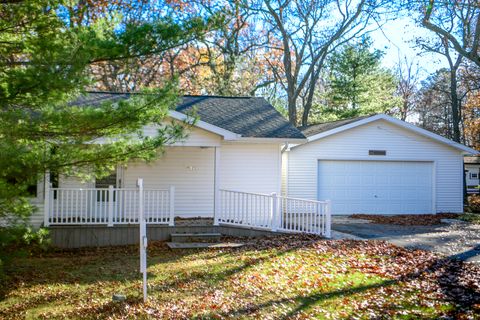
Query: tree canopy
[
  {"x": 45, "y": 63},
  {"x": 356, "y": 84}
]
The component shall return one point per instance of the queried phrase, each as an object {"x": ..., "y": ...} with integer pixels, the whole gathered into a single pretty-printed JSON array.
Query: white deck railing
[
  {"x": 110, "y": 206},
  {"x": 275, "y": 213}
]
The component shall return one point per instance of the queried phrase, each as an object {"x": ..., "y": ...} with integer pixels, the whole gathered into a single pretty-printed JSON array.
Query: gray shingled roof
[
  {"x": 247, "y": 116},
  {"x": 314, "y": 129}
]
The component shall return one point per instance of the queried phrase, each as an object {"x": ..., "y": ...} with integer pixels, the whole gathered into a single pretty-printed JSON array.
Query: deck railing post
[
  {"x": 46, "y": 205},
  {"x": 216, "y": 208},
  {"x": 171, "y": 221},
  {"x": 110, "y": 206},
  {"x": 143, "y": 236},
  {"x": 328, "y": 219},
  {"x": 275, "y": 215}
]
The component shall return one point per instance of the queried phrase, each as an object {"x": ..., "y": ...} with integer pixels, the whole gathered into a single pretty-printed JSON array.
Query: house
[
  {"x": 472, "y": 173},
  {"x": 229, "y": 168},
  {"x": 245, "y": 165},
  {"x": 377, "y": 165}
]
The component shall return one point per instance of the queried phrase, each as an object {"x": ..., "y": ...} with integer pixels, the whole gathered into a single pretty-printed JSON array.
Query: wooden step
[
  {"x": 195, "y": 237},
  {"x": 203, "y": 245}
]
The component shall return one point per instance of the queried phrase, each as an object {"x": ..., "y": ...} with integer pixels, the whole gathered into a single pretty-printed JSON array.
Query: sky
[{"x": 397, "y": 39}]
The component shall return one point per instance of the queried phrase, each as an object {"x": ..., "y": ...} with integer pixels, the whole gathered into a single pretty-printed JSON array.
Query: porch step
[
  {"x": 195, "y": 237},
  {"x": 203, "y": 245}
]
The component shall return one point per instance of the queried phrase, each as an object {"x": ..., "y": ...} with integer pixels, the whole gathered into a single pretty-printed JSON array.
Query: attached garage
[
  {"x": 376, "y": 165},
  {"x": 370, "y": 186}
]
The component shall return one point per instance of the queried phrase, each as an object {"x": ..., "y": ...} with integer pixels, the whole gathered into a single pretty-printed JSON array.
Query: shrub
[
  {"x": 473, "y": 204},
  {"x": 21, "y": 240}
]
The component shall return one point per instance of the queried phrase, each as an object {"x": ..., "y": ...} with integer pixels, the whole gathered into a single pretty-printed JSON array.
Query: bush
[
  {"x": 473, "y": 204},
  {"x": 21, "y": 240}
]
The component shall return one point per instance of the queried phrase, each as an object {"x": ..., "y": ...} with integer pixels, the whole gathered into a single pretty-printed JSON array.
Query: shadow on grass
[
  {"x": 449, "y": 274},
  {"x": 305, "y": 302},
  {"x": 467, "y": 255},
  {"x": 219, "y": 273},
  {"x": 122, "y": 267}
]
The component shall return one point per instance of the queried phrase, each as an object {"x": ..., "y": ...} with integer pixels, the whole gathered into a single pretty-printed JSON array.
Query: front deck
[
  {"x": 110, "y": 216},
  {"x": 79, "y": 236}
]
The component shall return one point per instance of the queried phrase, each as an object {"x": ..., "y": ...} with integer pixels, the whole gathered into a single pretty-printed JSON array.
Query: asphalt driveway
[{"x": 456, "y": 240}]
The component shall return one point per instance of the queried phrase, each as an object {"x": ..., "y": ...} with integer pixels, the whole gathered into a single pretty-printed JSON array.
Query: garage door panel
[
  {"x": 355, "y": 194},
  {"x": 368, "y": 179},
  {"x": 382, "y": 187}
]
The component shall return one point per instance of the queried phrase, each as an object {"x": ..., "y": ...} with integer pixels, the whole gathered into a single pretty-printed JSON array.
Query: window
[
  {"x": 32, "y": 190},
  {"x": 105, "y": 182},
  {"x": 473, "y": 175},
  {"x": 54, "y": 181}
]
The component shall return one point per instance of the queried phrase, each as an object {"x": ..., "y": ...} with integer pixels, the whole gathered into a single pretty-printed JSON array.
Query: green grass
[
  {"x": 300, "y": 282},
  {"x": 470, "y": 217}
]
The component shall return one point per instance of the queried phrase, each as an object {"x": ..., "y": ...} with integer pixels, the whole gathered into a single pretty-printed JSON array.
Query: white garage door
[{"x": 376, "y": 187}]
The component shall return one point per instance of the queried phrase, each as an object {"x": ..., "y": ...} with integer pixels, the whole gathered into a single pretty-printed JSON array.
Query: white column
[
  {"x": 328, "y": 219},
  {"x": 216, "y": 195},
  {"x": 110, "y": 206},
  {"x": 46, "y": 201},
  {"x": 275, "y": 217},
  {"x": 143, "y": 237},
  {"x": 171, "y": 196}
]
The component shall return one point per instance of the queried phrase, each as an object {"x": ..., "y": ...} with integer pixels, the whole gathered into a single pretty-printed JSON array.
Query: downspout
[{"x": 284, "y": 148}]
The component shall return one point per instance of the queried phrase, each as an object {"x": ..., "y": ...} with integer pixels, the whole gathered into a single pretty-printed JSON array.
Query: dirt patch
[
  {"x": 198, "y": 221},
  {"x": 407, "y": 219}
]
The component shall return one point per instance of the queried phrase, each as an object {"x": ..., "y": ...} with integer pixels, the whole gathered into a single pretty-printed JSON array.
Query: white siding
[
  {"x": 400, "y": 144},
  {"x": 74, "y": 182},
  {"x": 36, "y": 219},
  {"x": 250, "y": 167},
  {"x": 284, "y": 173},
  {"x": 189, "y": 169}
]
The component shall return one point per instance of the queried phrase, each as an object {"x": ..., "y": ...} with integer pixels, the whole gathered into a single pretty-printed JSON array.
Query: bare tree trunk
[
  {"x": 311, "y": 91},
  {"x": 455, "y": 105},
  {"x": 292, "y": 109},
  {"x": 403, "y": 111}
]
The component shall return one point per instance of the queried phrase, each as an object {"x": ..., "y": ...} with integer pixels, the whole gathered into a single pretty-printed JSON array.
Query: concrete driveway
[{"x": 459, "y": 240}]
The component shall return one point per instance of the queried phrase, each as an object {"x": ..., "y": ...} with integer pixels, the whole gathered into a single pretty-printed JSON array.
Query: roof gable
[{"x": 318, "y": 133}]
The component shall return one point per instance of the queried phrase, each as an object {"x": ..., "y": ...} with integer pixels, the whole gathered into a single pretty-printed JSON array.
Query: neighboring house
[
  {"x": 244, "y": 164},
  {"x": 472, "y": 173},
  {"x": 377, "y": 165}
]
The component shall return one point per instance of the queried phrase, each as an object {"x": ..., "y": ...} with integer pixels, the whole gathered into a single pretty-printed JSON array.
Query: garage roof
[{"x": 313, "y": 129}]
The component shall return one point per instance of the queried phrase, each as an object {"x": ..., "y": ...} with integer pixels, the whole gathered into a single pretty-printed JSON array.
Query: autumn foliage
[
  {"x": 286, "y": 277},
  {"x": 472, "y": 121}
]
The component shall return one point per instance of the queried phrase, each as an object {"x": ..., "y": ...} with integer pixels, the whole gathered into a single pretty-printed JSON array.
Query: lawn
[
  {"x": 471, "y": 217},
  {"x": 286, "y": 277}
]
